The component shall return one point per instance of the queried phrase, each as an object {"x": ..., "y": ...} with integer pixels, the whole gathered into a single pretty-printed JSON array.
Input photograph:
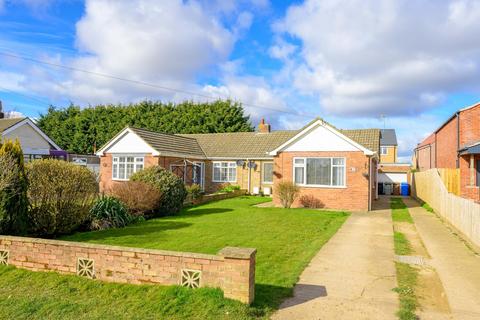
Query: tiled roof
[
  {"x": 241, "y": 144},
  {"x": 7, "y": 123},
  {"x": 252, "y": 145},
  {"x": 170, "y": 143},
  {"x": 388, "y": 137},
  {"x": 369, "y": 138}
]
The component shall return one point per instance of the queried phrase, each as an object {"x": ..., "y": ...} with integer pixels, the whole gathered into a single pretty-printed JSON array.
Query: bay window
[
  {"x": 319, "y": 171},
  {"x": 124, "y": 166},
  {"x": 224, "y": 172}
]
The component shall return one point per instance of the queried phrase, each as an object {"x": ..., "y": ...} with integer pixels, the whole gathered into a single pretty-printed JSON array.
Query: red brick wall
[
  {"x": 470, "y": 125},
  {"x": 466, "y": 189},
  {"x": 447, "y": 145},
  {"x": 232, "y": 270},
  {"x": 353, "y": 197}
]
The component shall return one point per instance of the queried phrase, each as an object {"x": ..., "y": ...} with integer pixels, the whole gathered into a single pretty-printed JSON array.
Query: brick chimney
[
  {"x": 263, "y": 127},
  {"x": 2, "y": 115}
]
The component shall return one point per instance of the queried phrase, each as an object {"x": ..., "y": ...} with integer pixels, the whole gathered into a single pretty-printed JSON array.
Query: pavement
[
  {"x": 352, "y": 276},
  {"x": 458, "y": 267}
]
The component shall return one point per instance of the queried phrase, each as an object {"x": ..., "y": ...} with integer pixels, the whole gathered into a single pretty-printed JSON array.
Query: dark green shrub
[
  {"x": 171, "y": 187},
  {"x": 13, "y": 189},
  {"x": 60, "y": 195},
  {"x": 109, "y": 212}
]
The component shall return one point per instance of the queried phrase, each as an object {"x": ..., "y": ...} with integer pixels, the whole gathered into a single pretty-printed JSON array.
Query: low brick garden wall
[
  {"x": 218, "y": 196},
  {"x": 232, "y": 269}
]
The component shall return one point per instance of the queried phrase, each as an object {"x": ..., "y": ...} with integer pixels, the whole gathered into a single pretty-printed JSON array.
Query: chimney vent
[{"x": 263, "y": 127}]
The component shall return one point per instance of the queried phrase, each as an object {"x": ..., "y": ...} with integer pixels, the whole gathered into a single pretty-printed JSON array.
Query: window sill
[
  {"x": 472, "y": 187},
  {"x": 216, "y": 181},
  {"x": 118, "y": 179},
  {"x": 263, "y": 182},
  {"x": 321, "y": 186}
]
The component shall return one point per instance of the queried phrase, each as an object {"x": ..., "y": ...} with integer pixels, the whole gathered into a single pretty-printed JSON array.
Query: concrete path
[
  {"x": 352, "y": 276},
  {"x": 457, "y": 266}
]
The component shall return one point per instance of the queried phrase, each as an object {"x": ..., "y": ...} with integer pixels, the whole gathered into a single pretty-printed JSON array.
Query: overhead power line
[{"x": 147, "y": 84}]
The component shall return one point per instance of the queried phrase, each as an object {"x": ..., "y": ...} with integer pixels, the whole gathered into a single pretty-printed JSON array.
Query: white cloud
[{"x": 396, "y": 57}]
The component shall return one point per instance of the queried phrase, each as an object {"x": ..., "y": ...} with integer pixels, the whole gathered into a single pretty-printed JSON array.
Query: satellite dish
[{"x": 240, "y": 162}]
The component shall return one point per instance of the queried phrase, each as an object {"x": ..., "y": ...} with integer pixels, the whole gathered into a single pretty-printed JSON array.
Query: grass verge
[
  {"x": 407, "y": 276},
  {"x": 427, "y": 207},
  {"x": 399, "y": 211}
]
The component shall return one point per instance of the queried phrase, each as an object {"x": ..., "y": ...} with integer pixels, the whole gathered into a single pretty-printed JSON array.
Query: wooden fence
[
  {"x": 451, "y": 180},
  {"x": 463, "y": 214}
]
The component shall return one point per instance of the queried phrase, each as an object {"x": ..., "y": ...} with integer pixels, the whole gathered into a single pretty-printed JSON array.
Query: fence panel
[
  {"x": 451, "y": 179},
  {"x": 463, "y": 214}
]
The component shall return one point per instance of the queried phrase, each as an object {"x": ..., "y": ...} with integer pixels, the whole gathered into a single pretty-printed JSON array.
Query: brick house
[
  {"x": 338, "y": 167},
  {"x": 455, "y": 144}
]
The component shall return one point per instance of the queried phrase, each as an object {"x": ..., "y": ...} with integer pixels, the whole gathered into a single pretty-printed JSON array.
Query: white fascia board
[
  {"x": 118, "y": 137},
  {"x": 317, "y": 123},
  {"x": 34, "y": 127}
]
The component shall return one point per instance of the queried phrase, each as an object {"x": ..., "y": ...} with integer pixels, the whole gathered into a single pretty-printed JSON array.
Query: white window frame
[
  {"x": 304, "y": 166},
  {"x": 230, "y": 164},
  {"x": 263, "y": 173},
  {"x": 382, "y": 149},
  {"x": 137, "y": 161}
]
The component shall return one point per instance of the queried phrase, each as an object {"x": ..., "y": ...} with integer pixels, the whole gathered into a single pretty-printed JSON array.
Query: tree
[
  {"x": 13, "y": 191},
  {"x": 80, "y": 130}
]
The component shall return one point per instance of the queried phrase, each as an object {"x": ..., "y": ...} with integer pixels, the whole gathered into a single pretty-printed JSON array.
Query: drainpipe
[
  {"x": 248, "y": 178},
  {"x": 369, "y": 183},
  {"x": 458, "y": 139}
]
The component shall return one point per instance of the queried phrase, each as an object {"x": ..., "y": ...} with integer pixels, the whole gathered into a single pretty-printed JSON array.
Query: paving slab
[
  {"x": 457, "y": 266},
  {"x": 352, "y": 276}
]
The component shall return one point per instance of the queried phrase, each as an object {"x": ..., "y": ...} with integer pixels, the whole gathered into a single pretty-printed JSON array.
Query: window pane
[
  {"x": 268, "y": 172},
  {"x": 129, "y": 170},
  {"x": 121, "y": 159},
  {"x": 338, "y": 176},
  {"x": 216, "y": 173},
  {"x": 339, "y": 161},
  {"x": 129, "y": 159},
  {"x": 318, "y": 171},
  {"x": 139, "y": 160},
  {"x": 115, "y": 159},
  {"x": 299, "y": 161},
  {"x": 115, "y": 171},
  {"x": 299, "y": 175},
  {"x": 138, "y": 167},
  {"x": 121, "y": 171},
  {"x": 232, "y": 174}
]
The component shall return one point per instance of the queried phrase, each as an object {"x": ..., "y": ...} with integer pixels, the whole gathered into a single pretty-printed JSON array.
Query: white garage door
[{"x": 392, "y": 177}]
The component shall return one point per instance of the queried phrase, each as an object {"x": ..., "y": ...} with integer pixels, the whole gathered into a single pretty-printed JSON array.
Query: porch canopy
[{"x": 473, "y": 148}]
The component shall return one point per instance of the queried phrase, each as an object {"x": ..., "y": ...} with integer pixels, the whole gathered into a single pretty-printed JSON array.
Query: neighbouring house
[
  {"x": 455, "y": 144},
  {"x": 392, "y": 175},
  {"x": 337, "y": 167},
  {"x": 35, "y": 143}
]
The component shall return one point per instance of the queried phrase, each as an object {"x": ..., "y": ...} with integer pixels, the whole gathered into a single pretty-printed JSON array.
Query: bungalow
[
  {"x": 35, "y": 143},
  {"x": 337, "y": 167}
]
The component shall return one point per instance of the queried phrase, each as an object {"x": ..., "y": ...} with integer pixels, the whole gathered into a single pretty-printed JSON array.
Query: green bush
[
  {"x": 287, "y": 193},
  {"x": 228, "y": 188},
  {"x": 109, "y": 212},
  {"x": 13, "y": 189},
  {"x": 60, "y": 195},
  {"x": 194, "y": 191},
  {"x": 170, "y": 186}
]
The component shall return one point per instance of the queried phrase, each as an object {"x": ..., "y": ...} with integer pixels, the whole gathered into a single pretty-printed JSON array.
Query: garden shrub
[
  {"x": 60, "y": 195},
  {"x": 227, "y": 187},
  {"x": 287, "y": 193},
  {"x": 109, "y": 212},
  {"x": 309, "y": 201},
  {"x": 194, "y": 191},
  {"x": 139, "y": 197},
  {"x": 13, "y": 189},
  {"x": 171, "y": 187}
]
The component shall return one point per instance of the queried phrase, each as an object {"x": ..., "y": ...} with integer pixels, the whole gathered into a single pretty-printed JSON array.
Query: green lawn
[{"x": 286, "y": 240}]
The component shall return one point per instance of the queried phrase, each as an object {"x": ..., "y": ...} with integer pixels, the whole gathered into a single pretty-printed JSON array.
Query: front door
[{"x": 199, "y": 174}]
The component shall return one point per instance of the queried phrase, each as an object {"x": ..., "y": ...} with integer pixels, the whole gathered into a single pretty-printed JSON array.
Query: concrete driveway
[{"x": 352, "y": 276}]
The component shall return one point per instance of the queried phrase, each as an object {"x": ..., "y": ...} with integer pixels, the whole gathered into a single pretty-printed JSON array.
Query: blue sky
[{"x": 348, "y": 61}]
